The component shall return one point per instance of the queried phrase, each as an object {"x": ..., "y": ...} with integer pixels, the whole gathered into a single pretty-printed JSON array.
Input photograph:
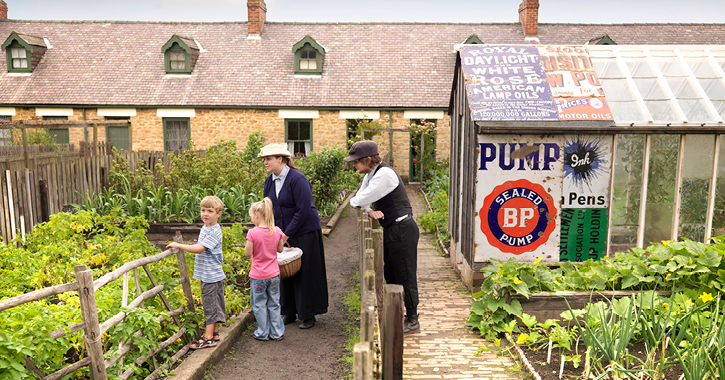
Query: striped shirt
[{"x": 208, "y": 264}]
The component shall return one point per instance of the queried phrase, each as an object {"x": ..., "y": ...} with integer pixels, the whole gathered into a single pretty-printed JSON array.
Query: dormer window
[
  {"x": 308, "y": 60},
  {"x": 473, "y": 40},
  {"x": 180, "y": 55},
  {"x": 308, "y": 57},
  {"x": 23, "y": 52},
  {"x": 19, "y": 56}
]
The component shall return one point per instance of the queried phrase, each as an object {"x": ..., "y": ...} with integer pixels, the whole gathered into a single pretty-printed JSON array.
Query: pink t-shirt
[{"x": 264, "y": 257}]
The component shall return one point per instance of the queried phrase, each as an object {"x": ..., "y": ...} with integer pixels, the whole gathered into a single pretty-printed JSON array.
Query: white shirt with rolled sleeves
[{"x": 371, "y": 190}]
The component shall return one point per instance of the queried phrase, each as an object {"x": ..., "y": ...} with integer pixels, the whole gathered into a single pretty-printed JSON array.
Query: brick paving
[{"x": 445, "y": 348}]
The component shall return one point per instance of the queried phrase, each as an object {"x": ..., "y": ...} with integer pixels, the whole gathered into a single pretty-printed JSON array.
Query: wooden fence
[
  {"x": 94, "y": 329},
  {"x": 383, "y": 301},
  {"x": 30, "y": 196}
]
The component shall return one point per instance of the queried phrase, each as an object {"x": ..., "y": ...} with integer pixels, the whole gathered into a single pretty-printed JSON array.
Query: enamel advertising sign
[
  {"x": 542, "y": 196},
  {"x": 532, "y": 83},
  {"x": 517, "y": 197}
]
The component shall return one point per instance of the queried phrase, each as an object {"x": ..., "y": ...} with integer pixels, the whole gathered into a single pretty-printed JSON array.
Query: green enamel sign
[{"x": 583, "y": 234}]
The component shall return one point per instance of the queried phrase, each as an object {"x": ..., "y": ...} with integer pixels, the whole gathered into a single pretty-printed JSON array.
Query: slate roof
[{"x": 368, "y": 65}]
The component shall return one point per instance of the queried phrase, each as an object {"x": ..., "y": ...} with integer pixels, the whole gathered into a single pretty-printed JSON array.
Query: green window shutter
[
  {"x": 60, "y": 135},
  {"x": 177, "y": 133},
  {"x": 119, "y": 136}
]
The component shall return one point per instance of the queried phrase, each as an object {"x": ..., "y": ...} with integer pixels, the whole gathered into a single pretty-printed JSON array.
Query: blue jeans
[{"x": 265, "y": 305}]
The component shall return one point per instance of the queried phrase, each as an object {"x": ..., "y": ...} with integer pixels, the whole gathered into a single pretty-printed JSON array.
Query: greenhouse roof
[{"x": 667, "y": 85}]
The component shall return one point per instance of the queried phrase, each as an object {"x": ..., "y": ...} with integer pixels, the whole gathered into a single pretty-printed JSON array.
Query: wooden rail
[
  {"x": 381, "y": 306},
  {"x": 94, "y": 329}
]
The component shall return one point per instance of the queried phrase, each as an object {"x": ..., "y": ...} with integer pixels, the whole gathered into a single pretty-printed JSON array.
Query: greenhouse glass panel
[
  {"x": 607, "y": 68},
  {"x": 701, "y": 67},
  {"x": 650, "y": 89},
  {"x": 627, "y": 182},
  {"x": 694, "y": 110},
  {"x": 695, "y": 190},
  {"x": 718, "y": 219},
  {"x": 661, "y": 110},
  {"x": 669, "y": 67},
  {"x": 617, "y": 90},
  {"x": 661, "y": 187},
  {"x": 682, "y": 88},
  {"x": 639, "y": 68},
  {"x": 714, "y": 88},
  {"x": 627, "y": 111}
]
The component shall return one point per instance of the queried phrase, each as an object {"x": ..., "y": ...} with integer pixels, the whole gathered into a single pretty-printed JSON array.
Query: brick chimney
[
  {"x": 3, "y": 10},
  {"x": 256, "y": 15},
  {"x": 529, "y": 19}
]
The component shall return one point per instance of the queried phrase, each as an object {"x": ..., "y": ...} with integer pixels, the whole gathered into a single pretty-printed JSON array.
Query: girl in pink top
[{"x": 263, "y": 243}]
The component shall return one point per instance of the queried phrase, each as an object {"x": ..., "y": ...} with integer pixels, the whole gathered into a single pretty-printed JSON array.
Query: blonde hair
[
  {"x": 212, "y": 201},
  {"x": 264, "y": 209}
]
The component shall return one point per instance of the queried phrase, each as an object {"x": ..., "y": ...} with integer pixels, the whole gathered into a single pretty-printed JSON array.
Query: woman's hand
[
  {"x": 284, "y": 238},
  {"x": 375, "y": 214}
]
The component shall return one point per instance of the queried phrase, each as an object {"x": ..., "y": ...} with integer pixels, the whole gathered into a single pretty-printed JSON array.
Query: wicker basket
[
  {"x": 290, "y": 261},
  {"x": 290, "y": 269}
]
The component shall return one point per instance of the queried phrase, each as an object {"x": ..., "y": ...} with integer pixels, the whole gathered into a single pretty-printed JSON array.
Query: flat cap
[{"x": 361, "y": 149}]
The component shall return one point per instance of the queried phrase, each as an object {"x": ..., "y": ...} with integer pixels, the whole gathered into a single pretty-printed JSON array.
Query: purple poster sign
[{"x": 507, "y": 83}]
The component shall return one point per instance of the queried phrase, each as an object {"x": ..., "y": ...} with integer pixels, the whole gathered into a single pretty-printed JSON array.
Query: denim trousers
[{"x": 265, "y": 305}]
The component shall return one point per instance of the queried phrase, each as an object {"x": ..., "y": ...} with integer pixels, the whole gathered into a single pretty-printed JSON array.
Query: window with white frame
[
  {"x": 298, "y": 134},
  {"x": 6, "y": 135},
  {"x": 20, "y": 58}
]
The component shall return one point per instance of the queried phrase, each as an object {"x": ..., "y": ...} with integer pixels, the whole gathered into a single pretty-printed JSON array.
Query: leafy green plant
[
  {"x": 103, "y": 242},
  {"x": 329, "y": 177}
]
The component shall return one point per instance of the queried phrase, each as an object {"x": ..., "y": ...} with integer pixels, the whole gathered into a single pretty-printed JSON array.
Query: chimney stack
[
  {"x": 3, "y": 10},
  {"x": 256, "y": 16},
  {"x": 529, "y": 19}
]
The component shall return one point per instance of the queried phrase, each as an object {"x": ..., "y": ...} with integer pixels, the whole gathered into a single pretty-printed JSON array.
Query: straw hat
[{"x": 274, "y": 150}]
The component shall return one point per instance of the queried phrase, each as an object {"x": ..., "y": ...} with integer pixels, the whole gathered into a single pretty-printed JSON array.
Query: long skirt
[{"x": 305, "y": 293}]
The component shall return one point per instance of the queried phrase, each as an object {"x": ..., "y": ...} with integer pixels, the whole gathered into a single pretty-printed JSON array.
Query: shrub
[{"x": 326, "y": 170}]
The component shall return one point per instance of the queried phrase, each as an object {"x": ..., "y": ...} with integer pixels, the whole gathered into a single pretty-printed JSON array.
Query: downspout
[
  {"x": 85, "y": 130},
  {"x": 390, "y": 135}
]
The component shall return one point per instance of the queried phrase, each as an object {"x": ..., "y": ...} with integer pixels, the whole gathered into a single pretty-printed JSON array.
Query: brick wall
[{"x": 211, "y": 125}]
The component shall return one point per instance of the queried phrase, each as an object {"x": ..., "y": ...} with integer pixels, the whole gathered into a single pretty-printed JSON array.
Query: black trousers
[
  {"x": 400, "y": 255},
  {"x": 305, "y": 293}
]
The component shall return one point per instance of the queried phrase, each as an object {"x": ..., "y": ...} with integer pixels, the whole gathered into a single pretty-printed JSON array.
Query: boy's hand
[{"x": 173, "y": 245}]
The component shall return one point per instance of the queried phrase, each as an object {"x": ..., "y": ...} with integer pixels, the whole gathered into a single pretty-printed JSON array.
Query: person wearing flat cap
[
  {"x": 303, "y": 295},
  {"x": 383, "y": 188}
]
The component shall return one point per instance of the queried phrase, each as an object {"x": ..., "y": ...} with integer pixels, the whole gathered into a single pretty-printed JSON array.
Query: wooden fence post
[
  {"x": 25, "y": 146},
  {"x": 95, "y": 139},
  {"x": 392, "y": 342},
  {"x": 379, "y": 273},
  {"x": 184, "y": 274},
  {"x": 92, "y": 337},
  {"x": 363, "y": 361}
]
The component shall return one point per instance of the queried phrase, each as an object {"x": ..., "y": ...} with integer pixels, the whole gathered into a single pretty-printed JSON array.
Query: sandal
[
  {"x": 203, "y": 343},
  {"x": 216, "y": 337}
]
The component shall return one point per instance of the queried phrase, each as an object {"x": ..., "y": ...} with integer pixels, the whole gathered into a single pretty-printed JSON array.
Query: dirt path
[{"x": 303, "y": 354}]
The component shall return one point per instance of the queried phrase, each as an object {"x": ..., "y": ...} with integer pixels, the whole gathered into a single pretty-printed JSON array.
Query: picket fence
[
  {"x": 377, "y": 299},
  {"x": 29, "y": 196}
]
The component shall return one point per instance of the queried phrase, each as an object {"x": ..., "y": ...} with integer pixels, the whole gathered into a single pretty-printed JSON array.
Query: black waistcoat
[{"x": 395, "y": 204}]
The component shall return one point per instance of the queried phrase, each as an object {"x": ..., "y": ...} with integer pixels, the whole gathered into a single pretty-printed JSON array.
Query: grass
[{"x": 351, "y": 323}]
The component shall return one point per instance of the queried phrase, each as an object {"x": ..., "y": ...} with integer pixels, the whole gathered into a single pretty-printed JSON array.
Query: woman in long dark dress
[{"x": 303, "y": 295}]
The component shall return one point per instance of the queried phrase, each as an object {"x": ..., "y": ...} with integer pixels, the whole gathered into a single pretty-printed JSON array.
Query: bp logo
[{"x": 518, "y": 216}]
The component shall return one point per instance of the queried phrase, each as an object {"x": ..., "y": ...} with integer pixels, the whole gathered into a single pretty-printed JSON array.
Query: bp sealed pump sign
[{"x": 542, "y": 196}]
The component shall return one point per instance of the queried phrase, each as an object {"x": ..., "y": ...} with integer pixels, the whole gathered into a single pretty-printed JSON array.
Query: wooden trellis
[{"x": 94, "y": 330}]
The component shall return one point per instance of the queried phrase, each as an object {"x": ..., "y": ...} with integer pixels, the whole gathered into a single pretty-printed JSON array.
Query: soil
[
  {"x": 315, "y": 353},
  {"x": 551, "y": 371}
]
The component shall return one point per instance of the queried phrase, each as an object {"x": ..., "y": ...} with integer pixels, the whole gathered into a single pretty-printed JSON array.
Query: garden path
[{"x": 445, "y": 348}]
